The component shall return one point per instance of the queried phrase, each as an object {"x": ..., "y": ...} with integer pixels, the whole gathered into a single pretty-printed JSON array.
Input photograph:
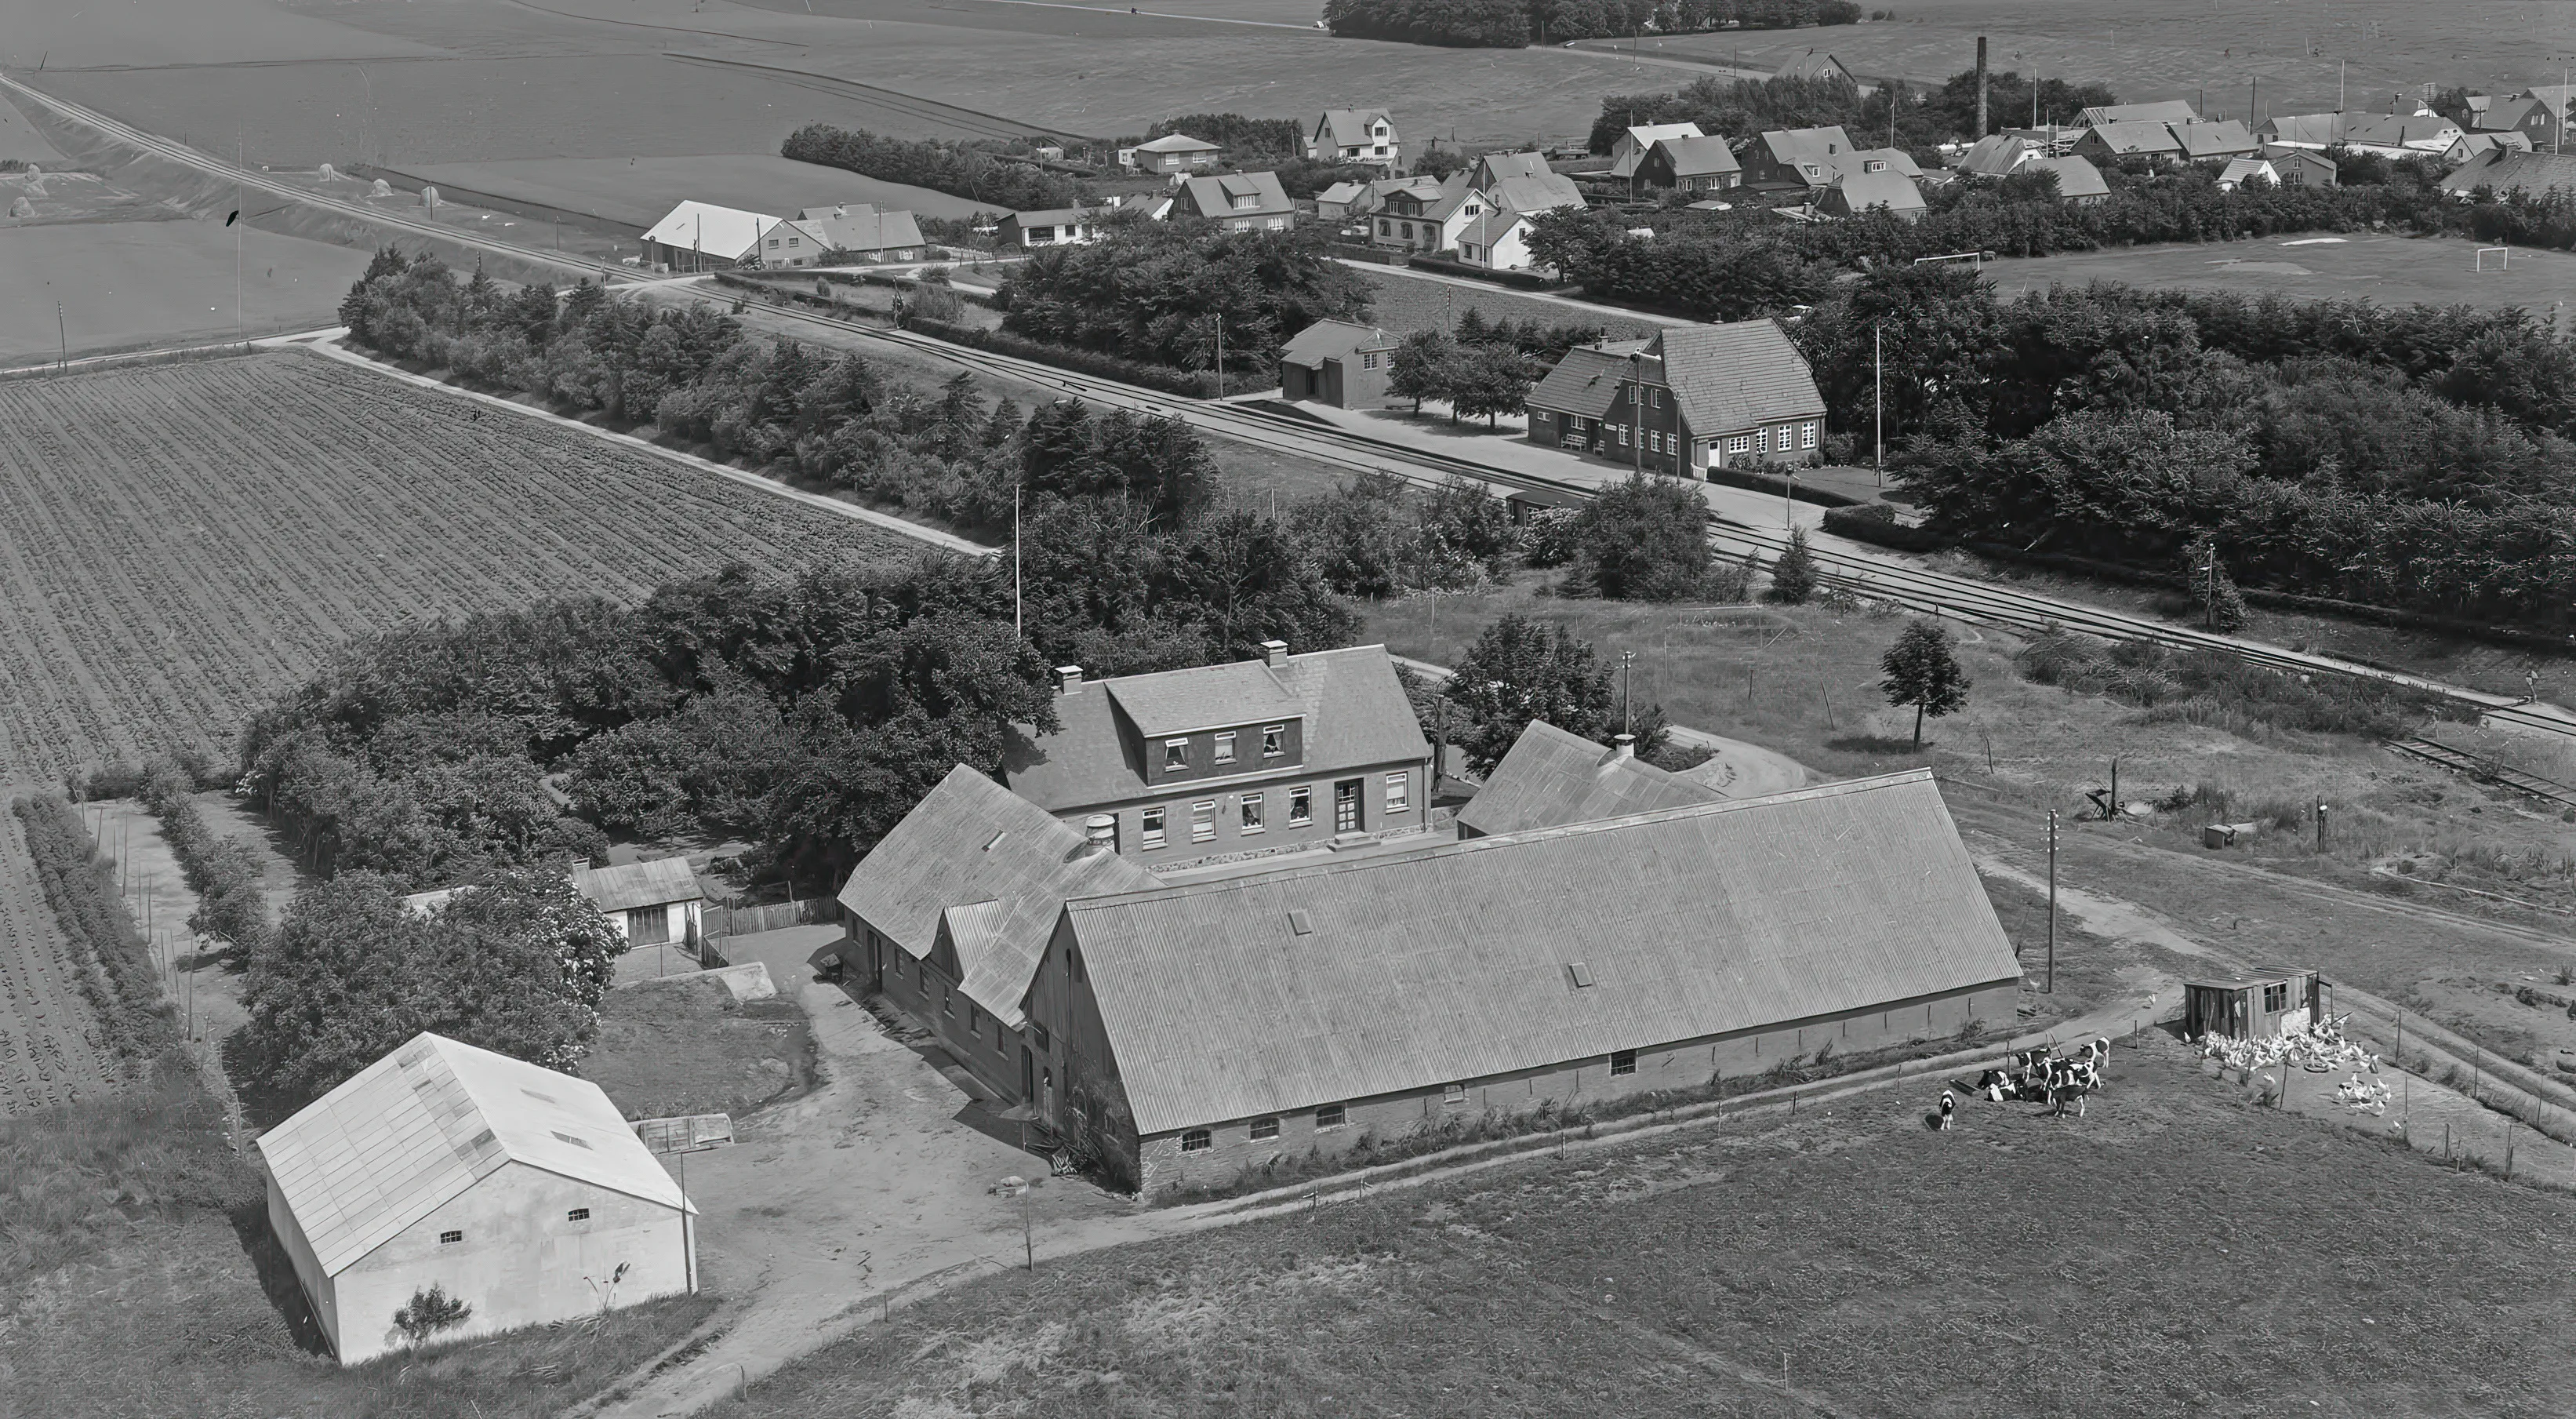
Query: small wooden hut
[{"x": 2258, "y": 1004}]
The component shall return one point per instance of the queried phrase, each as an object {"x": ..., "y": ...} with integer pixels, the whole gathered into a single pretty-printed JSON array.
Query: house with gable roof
[
  {"x": 1356, "y": 136},
  {"x": 2107, "y": 141},
  {"x": 1238, "y": 201},
  {"x": 1690, "y": 398},
  {"x": 2221, "y": 141},
  {"x": 517, "y": 1190},
  {"x": 1800, "y": 161},
  {"x": 1176, "y": 152},
  {"x": 1632, "y": 145},
  {"x": 1693, "y": 166},
  {"x": 1550, "y": 778},
  {"x": 1425, "y": 214},
  {"x": 1339, "y": 363}
]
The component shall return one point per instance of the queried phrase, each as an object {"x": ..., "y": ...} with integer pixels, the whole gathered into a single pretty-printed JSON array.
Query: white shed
[
  {"x": 654, "y": 903},
  {"x": 517, "y": 1190}
]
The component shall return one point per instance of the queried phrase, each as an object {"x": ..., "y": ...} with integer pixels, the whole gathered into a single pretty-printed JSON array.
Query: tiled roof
[
  {"x": 2162, "y": 111},
  {"x": 1349, "y": 127},
  {"x": 1332, "y": 339},
  {"x": 416, "y": 1128},
  {"x": 857, "y": 226},
  {"x": 1585, "y": 382},
  {"x": 1488, "y": 229},
  {"x": 1821, "y": 148},
  {"x": 725, "y": 232},
  {"x": 1215, "y": 196},
  {"x": 2224, "y": 138},
  {"x": 2509, "y": 113},
  {"x": 1455, "y": 962},
  {"x": 1551, "y": 777},
  {"x": 1531, "y": 195},
  {"x": 1996, "y": 155},
  {"x": 2137, "y": 137},
  {"x": 1813, "y": 64},
  {"x": 1860, "y": 191},
  {"x": 990, "y": 869},
  {"x": 1354, "y": 710},
  {"x": 2075, "y": 176},
  {"x": 1698, "y": 157},
  {"x": 1738, "y": 375},
  {"x": 1494, "y": 167},
  {"x": 638, "y": 884},
  {"x": 2535, "y": 173},
  {"x": 1053, "y": 217},
  {"x": 1632, "y": 146},
  {"x": 1177, "y": 143}
]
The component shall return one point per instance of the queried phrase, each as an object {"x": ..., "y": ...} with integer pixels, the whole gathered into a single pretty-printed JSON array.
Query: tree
[
  {"x": 1520, "y": 670},
  {"x": 1644, "y": 539},
  {"x": 2222, "y": 606},
  {"x": 1923, "y": 670},
  {"x": 1492, "y": 379},
  {"x": 430, "y": 1311},
  {"x": 1793, "y": 577},
  {"x": 1424, "y": 367}
]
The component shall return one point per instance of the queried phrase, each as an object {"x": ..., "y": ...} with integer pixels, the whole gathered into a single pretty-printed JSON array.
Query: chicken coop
[{"x": 2259, "y": 1004}]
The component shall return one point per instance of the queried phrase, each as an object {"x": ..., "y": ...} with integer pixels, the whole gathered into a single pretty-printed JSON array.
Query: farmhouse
[
  {"x": 1335, "y": 362},
  {"x": 1233, "y": 761},
  {"x": 1356, "y": 136},
  {"x": 1206, "y": 1027},
  {"x": 1057, "y": 226},
  {"x": 650, "y": 903},
  {"x": 1239, "y": 202},
  {"x": 865, "y": 232},
  {"x": 1630, "y": 150},
  {"x": 700, "y": 236},
  {"x": 1696, "y": 166},
  {"x": 514, "y": 1189},
  {"x": 1689, "y": 398},
  {"x": 950, "y": 911},
  {"x": 1551, "y": 778},
  {"x": 1175, "y": 152}
]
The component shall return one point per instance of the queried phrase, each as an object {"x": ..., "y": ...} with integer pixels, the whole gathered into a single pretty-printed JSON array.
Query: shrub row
[
  {"x": 225, "y": 875},
  {"x": 941, "y": 167},
  {"x": 1197, "y": 384},
  {"x": 124, "y": 990}
]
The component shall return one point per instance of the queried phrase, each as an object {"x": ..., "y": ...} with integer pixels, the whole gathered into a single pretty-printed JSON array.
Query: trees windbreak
[{"x": 1158, "y": 291}]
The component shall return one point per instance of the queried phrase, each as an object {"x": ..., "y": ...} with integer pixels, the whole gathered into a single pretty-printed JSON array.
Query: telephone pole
[
  {"x": 1878, "y": 394},
  {"x": 2050, "y": 987}
]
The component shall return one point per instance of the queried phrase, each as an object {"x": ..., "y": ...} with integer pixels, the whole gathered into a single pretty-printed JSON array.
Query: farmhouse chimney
[
  {"x": 1099, "y": 835},
  {"x": 1981, "y": 86},
  {"x": 1068, "y": 679},
  {"x": 1275, "y": 653},
  {"x": 1622, "y": 747}
]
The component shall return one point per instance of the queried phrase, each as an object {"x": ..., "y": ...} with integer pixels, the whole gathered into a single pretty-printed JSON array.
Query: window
[
  {"x": 1197, "y": 1140},
  {"x": 974, "y": 1019},
  {"x": 1274, "y": 741},
  {"x": 773, "y": 243},
  {"x": 1453, "y": 1096},
  {"x": 1368, "y": 359},
  {"x": 578, "y": 1214},
  {"x": 1873, "y": 165},
  {"x": 1807, "y": 434},
  {"x": 1761, "y": 440},
  {"x": 1225, "y": 747},
  {"x": 1632, "y": 396},
  {"x": 1623, "y": 1061},
  {"x": 1264, "y": 1129},
  {"x": 947, "y": 1005},
  {"x": 1399, "y": 793},
  {"x": 1038, "y": 1036},
  {"x": 1329, "y": 1116},
  {"x": 1039, "y": 234},
  {"x": 1385, "y": 227},
  {"x": 1250, "y": 807},
  {"x": 648, "y": 926},
  {"x": 2276, "y": 998},
  {"x": 1301, "y": 807},
  {"x": 1245, "y": 202},
  {"x": 1738, "y": 444},
  {"x": 449, "y": 1239},
  {"x": 1153, "y": 825},
  {"x": 1203, "y": 821},
  {"x": 791, "y": 241},
  {"x": 1658, "y": 397},
  {"x": 1176, "y": 755}
]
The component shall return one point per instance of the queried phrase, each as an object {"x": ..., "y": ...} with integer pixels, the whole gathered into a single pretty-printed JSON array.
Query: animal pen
[{"x": 2259, "y": 1004}]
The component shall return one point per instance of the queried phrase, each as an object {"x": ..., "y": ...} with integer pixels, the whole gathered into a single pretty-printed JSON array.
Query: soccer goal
[
  {"x": 2500, "y": 253},
  {"x": 1976, "y": 259}
]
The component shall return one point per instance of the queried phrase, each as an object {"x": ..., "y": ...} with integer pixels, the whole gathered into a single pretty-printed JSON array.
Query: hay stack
[
  {"x": 328, "y": 173},
  {"x": 381, "y": 189},
  {"x": 429, "y": 197}
]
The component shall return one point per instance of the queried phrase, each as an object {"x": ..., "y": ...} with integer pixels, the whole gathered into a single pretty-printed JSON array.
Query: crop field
[
  {"x": 635, "y": 193},
  {"x": 51, "y": 1045},
  {"x": 2174, "y": 1252},
  {"x": 123, "y": 284},
  {"x": 2392, "y": 269},
  {"x": 178, "y": 543}
]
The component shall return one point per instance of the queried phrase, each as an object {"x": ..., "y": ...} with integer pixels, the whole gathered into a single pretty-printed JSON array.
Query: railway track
[{"x": 2480, "y": 769}]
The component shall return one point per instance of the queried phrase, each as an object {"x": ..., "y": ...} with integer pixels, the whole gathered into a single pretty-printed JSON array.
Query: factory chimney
[{"x": 1981, "y": 87}]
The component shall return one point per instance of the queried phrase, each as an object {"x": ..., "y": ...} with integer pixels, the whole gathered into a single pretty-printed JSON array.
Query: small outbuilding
[
  {"x": 1338, "y": 363},
  {"x": 2257, "y": 1004},
  {"x": 514, "y": 1191},
  {"x": 653, "y": 903}
]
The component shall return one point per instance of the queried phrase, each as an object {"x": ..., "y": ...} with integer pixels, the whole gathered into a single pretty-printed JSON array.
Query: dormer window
[
  {"x": 1176, "y": 755},
  {"x": 1246, "y": 202}
]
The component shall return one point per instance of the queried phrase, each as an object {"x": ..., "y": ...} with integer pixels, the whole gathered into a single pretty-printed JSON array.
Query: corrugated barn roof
[{"x": 1551, "y": 777}]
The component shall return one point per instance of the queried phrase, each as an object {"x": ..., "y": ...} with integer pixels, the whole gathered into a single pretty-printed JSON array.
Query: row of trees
[
  {"x": 953, "y": 168},
  {"x": 1161, "y": 292},
  {"x": 1511, "y": 24}
]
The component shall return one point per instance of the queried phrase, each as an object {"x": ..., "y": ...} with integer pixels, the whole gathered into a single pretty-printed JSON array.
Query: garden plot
[{"x": 52, "y": 1050}]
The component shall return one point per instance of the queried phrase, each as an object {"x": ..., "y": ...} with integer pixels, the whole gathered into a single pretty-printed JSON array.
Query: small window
[
  {"x": 1368, "y": 359},
  {"x": 578, "y": 1214},
  {"x": 1225, "y": 747},
  {"x": 947, "y": 1005},
  {"x": 974, "y": 1018},
  {"x": 1203, "y": 822},
  {"x": 1658, "y": 397},
  {"x": 1329, "y": 1116},
  {"x": 773, "y": 242},
  {"x": 1274, "y": 741},
  {"x": 449, "y": 1239},
  {"x": 1176, "y": 755},
  {"x": 1153, "y": 827},
  {"x": 1623, "y": 1061},
  {"x": 2276, "y": 998},
  {"x": 1038, "y": 1036},
  {"x": 1250, "y": 807},
  {"x": 1197, "y": 1140},
  {"x": 1264, "y": 1129},
  {"x": 1385, "y": 227},
  {"x": 791, "y": 241},
  {"x": 1453, "y": 1096},
  {"x": 1301, "y": 807},
  {"x": 1399, "y": 793},
  {"x": 1807, "y": 434}
]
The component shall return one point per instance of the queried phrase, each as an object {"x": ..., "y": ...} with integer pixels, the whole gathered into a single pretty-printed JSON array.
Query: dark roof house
[
  {"x": 2116, "y": 140},
  {"x": 2161, "y": 111},
  {"x": 1240, "y": 201},
  {"x": 1737, "y": 375},
  {"x": 2214, "y": 142},
  {"x": 1586, "y": 381},
  {"x": 863, "y": 229},
  {"x": 2503, "y": 171},
  {"x": 1814, "y": 66}
]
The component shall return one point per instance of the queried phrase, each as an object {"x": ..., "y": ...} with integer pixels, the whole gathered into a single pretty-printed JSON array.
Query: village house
[
  {"x": 1338, "y": 363},
  {"x": 700, "y": 236},
  {"x": 2240, "y": 171},
  {"x": 1531, "y": 194},
  {"x": 2109, "y": 141},
  {"x": 2221, "y": 141},
  {"x": 950, "y": 911},
  {"x": 2538, "y": 175},
  {"x": 1803, "y": 161},
  {"x": 2472, "y": 145},
  {"x": 1499, "y": 241},
  {"x": 2538, "y": 113},
  {"x": 1058, "y": 226},
  {"x": 1694, "y": 167},
  {"x": 2386, "y": 135},
  {"x": 1175, "y": 152},
  {"x": 1550, "y": 778},
  {"x": 1690, "y": 398},
  {"x": 1632, "y": 145},
  {"x": 2002, "y": 155},
  {"x": 2079, "y": 183},
  {"x": 1880, "y": 190},
  {"x": 656, "y": 903},
  {"x": 1233, "y": 761},
  {"x": 1238, "y": 202},
  {"x": 1205, "y": 1027},
  {"x": 864, "y": 232},
  {"x": 1815, "y": 66},
  {"x": 1997, "y": 155},
  {"x": 1346, "y": 200},
  {"x": 517, "y": 1190},
  {"x": 1492, "y": 168},
  {"x": 2300, "y": 167},
  {"x": 2159, "y": 112},
  {"x": 1423, "y": 214},
  {"x": 1356, "y": 137}
]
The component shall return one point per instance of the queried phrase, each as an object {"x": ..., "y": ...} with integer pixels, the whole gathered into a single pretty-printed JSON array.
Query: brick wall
[
  {"x": 968, "y": 1032},
  {"x": 1162, "y": 1163}
]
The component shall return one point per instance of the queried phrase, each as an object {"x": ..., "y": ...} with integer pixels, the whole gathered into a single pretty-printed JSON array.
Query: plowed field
[
  {"x": 179, "y": 543},
  {"x": 51, "y": 1048}
]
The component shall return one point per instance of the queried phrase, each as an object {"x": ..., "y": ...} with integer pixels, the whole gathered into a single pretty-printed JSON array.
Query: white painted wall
[
  {"x": 318, "y": 1290},
  {"x": 521, "y": 1261}
]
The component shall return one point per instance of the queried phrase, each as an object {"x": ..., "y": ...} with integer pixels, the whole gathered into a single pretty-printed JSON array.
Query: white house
[
  {"x": 2240, "y": 171},
  {"x": 700, "y": 236},
  {"x": 513, "y": 1189},
  {"x": 654, "y": 903},
  {"x": 1497, "y": 241},
  {"x": 1057, "y": 226},
  {"x": 1356, "y": 136},
  {"x": 1631, "y": 148}
]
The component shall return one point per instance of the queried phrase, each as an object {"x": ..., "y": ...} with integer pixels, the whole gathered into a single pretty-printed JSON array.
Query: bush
[
  {"x": 943, "y": 167},
  {"x": 1793, "y": 576},
  {"x": 2213, "y": 687},
  {"x": 1265, "y": 285},
  {"x": 226, "y": 876},
  {"x": 1645, "y": 539},
  {"x": 430, "y": 1311}
]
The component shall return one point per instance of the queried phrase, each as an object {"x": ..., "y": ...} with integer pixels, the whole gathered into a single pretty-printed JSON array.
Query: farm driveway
[{"x": 866, "y": 1186}]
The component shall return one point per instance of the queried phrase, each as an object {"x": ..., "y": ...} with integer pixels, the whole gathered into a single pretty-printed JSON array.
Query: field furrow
[{"x": 51, "y": 1048}]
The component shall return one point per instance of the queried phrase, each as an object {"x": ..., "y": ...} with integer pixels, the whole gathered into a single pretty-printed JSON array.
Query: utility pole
[
  {"x": 1637, "y": 411},
  {"x": 1015, "y": 558},
  {"x": 1878, "y": 394},
  {"x": 2050, "y": 988},
  {"x": 60, "y": 334},
  {"x": 1219, "y": 318},
  {"x": 1627, "y": 677}
]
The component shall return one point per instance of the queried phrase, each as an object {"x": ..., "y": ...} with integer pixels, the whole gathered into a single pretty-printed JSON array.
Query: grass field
[
  {"x": 2174, "y": 1252},
  {"x": 2391, "y": 269},
  {"x": 1407, "y": 303},
  {"x": 123, "y": 284},
  {"x": 178, "y": 543},
  {"x": 636, "y": 192},
  {"x": 687, "y": 1047}
]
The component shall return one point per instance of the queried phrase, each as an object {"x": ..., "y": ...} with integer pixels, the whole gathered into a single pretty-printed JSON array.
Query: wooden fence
[{"x": 774, "y": 916}]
